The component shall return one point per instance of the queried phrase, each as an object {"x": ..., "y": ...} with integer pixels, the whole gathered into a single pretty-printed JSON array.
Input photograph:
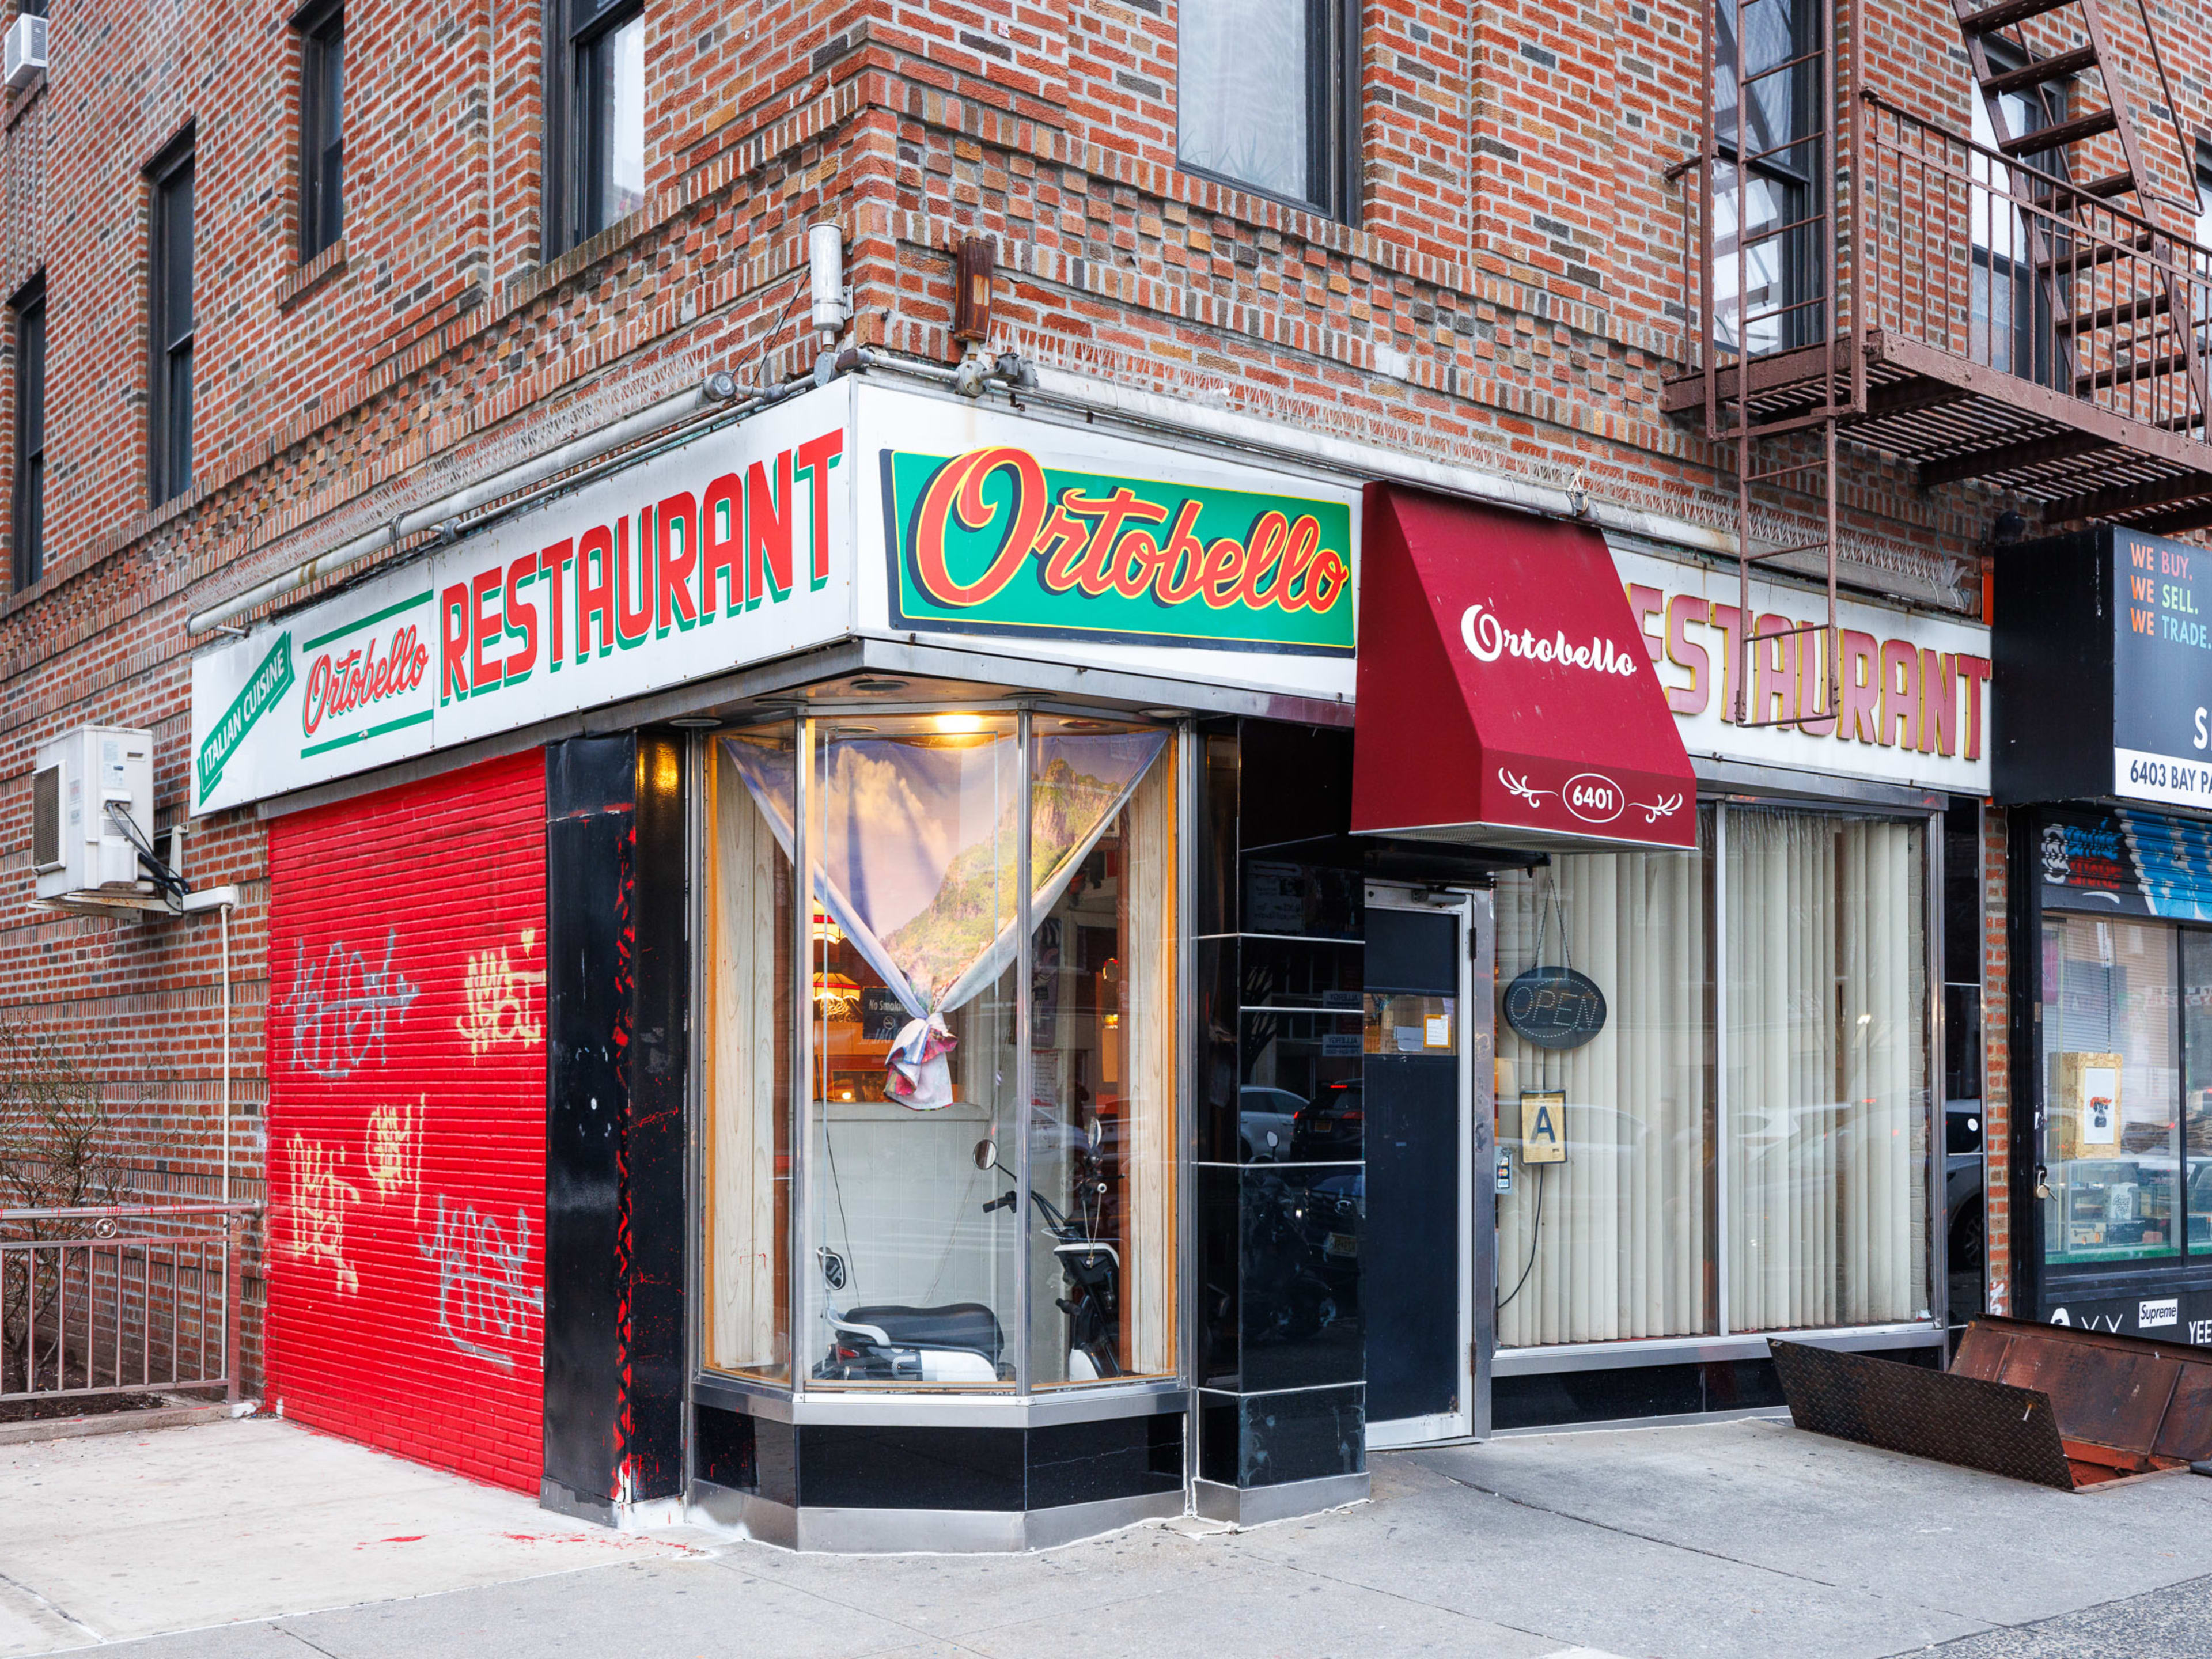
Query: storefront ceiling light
[
  {"x": 957, "y": 724},
  {"x": 876, "y": 683}
]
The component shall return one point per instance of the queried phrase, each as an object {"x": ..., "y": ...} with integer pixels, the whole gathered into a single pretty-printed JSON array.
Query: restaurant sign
[
  {"x": 993, "y": 541},
  {"x": 1912, "y": 705}
]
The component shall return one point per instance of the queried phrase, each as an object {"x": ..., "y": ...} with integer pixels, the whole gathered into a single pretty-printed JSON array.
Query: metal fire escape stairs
[
  {"x": 1772, "y": 116},
  {"x": 2055, "y": 48}
]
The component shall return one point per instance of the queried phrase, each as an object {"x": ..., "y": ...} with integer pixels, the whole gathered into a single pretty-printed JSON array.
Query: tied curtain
[
  {"x": 1618, "y": 1251},
  {"x": 914, "y": 845},
  {"x": 1827, "y": 988}
]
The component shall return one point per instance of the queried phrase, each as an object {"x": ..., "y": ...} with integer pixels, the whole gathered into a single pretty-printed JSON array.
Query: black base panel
[
  {"x": 1562, "y": 1399},
  {"x": 900, "y": 1467}
]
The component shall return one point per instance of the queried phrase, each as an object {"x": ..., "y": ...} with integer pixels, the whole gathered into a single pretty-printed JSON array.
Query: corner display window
[{"x": 939, "y": 1046}]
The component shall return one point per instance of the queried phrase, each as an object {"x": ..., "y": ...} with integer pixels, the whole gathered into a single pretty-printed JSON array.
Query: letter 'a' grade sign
[{"x": 760, "y": 540}]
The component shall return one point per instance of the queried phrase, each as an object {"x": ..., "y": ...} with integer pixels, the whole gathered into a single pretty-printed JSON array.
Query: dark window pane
[
  {"x": 171, "y": 424},
  {"x": 322, "y": 147},
  {"x": 30, "y": 505}
]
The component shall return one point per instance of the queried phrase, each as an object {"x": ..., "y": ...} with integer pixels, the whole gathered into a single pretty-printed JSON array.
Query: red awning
[{"x": 1506, "y": 694}]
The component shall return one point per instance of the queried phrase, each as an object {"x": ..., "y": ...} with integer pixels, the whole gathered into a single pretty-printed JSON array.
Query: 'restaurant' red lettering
[
  {"x": 817, "y": 456},
  {"x": 453, "y": 642},
  {"x": 482, "y": 586},
  {"x": 521, "y": 617},
  {"x": 553, "y": 560},
  {"x": 679, "y": 553},
  {"x": 721, "y": 547},
  {"x": 595, "y": 590}
]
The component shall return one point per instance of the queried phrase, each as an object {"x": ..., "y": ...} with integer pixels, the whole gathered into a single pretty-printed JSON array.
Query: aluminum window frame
[
  {"x": 26, "y": 508},
  {"x": 172, "y": 337},
  {"x": 321, "y": 28},
  {"x": 1333, "y": 96}
]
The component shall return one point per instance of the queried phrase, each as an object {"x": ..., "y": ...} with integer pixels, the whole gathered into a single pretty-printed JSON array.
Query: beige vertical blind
[
  {"x": 1148, "y": 1278},
  {"x": 1827, "y": 1124},
  {"x": 1619, "y": 1249}
]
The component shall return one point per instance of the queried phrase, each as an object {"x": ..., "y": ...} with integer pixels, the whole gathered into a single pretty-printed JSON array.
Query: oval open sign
[{"x": 1555, "y": 1007}]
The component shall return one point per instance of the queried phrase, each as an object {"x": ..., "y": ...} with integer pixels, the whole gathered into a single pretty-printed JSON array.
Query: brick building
[{"x": 432, "y": 297}]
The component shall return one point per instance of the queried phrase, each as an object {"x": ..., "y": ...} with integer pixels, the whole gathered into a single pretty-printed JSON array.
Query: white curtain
[
  {"x": 1241, "y": 91},
  {"x": 932, "y": 913},
  {"x": 1618, "y": 1251},
  {"x": 747, "y": 1088},
  {"x": 1148, "y": 1021},
  {"x": 1826, "y": 1131}
]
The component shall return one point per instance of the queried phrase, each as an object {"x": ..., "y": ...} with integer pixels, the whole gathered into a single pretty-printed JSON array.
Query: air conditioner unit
[
  {"x": 80, "y": 852},
  {"x": 26, "y": 50}
]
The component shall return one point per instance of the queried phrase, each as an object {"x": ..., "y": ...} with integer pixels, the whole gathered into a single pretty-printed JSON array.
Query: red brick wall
[{"x": 407, "y": 1119}]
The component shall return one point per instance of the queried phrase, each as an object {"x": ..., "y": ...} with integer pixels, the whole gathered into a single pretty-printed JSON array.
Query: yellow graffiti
[
  {"x": 392, "y": 1151},
  {"x": 498, "y": 999},
  {"x": 320, "y": 1195}
]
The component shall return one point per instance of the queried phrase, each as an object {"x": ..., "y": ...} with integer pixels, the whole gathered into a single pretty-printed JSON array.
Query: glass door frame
[{"x": 1477, "y": 1220}]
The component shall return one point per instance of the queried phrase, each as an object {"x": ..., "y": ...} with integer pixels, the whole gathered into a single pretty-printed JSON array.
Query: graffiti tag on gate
[
  {"x": 342, "y": 1009},
  {"x": 497, "y": 998},
  {"x": 391, "y": 1150},
  {"x": 320, "y": 1198},
  {"x": 484, "y": 1291}
]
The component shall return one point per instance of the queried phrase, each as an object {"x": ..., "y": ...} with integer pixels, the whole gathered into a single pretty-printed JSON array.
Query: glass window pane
[
  {"x": 2112, "y": 1089},
  {"x": 1611, "y": 1243},
  {"x": 1827, "y": 1129},
  {"x": 748, "y": 981},
  {"x": 617, "y": 157},
  {"x": 2197, "y": 1098},
  {"x": 1102, "y": 1223},
  {"x": 1242, "y": 89},
  {"x": 912, "y": 840}
]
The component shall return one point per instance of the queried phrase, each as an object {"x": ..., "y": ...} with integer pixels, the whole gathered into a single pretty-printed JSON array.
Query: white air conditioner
[
  {"x": 80, "y": 850},
  {"x": 26, "y": 50}
]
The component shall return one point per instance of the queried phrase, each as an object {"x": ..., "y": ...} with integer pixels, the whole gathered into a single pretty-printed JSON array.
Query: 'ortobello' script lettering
[{"x": 1488, "y": 639}]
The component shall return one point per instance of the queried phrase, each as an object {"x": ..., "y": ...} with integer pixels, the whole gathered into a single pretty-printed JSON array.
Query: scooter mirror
[
  {"x": 987, "y": 1153},
  {"x": 1095, "y": 1133}
]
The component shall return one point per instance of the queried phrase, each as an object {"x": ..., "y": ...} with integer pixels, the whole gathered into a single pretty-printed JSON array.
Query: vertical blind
[{"x": 1803, "y": 1182}]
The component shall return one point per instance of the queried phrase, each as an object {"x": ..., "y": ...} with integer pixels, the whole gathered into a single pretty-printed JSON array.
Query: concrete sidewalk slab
[
  {"x": 124, "y": 1535},
  {"x": 1687, "y": 1542}
]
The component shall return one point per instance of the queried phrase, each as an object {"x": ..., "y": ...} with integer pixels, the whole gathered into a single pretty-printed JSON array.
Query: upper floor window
[
  {"x": 322, "y": 129},
  {"x": 601, "y": 94},
  {"x": 1768, "y": 61},
  {"x": 1265, "y": 97},
  {"x": 172, "y": 319},
  {"x": 29, "y": 517}
]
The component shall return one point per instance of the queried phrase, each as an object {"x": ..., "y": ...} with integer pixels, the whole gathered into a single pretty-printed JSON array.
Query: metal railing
[
  {"x": 129, "y": 1298},
  {"x": 2026, "y": 276}
]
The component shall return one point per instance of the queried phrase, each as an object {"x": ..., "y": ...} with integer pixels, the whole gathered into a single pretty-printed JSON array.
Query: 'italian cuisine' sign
[{"x": 747, "y": 545}]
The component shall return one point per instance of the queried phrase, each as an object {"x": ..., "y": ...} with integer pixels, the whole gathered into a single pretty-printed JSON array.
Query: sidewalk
[{"x": 1740, "y": 1539}]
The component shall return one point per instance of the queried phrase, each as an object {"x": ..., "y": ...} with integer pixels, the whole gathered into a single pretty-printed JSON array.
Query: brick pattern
[
  {"x": 407, "y": 1119},
  {"x": 1507, "y": 293}
]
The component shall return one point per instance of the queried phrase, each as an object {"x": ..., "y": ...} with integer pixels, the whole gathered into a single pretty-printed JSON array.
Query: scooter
[{"x": 964, "y": 1342}]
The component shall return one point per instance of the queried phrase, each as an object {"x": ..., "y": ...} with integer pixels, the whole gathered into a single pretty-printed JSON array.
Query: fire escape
[{"x": 2022, "y": 305}]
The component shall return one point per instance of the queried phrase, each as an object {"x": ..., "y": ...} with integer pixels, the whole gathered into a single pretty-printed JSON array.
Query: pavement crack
[
  {"x": 1631, "y": 1532},
  {"x": 285, "y": 1630},
  {"x": 51, "y": 1606}
]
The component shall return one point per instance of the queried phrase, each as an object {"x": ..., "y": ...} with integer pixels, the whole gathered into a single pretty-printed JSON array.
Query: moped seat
[{"x": 968, "y": 1325}]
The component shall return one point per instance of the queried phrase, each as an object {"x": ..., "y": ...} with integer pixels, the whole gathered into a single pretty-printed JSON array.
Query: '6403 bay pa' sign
[{"x": 758, "y": 541}]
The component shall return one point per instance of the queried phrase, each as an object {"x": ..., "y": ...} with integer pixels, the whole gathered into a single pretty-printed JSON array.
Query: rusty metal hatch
[{"x": 2062, "y": 1408}]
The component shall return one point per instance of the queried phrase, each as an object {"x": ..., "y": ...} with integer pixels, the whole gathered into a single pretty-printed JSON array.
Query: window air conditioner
[
  {"x": 79, "y": 783},
  {"x": 26, "y": 50}
]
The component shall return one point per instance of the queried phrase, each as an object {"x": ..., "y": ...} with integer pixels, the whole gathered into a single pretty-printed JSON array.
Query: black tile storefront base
[
  {"x": 906, "y": 1466},
  {"x": 1562, "y": 1399},
  {"x": 1270, "y": 1439}
]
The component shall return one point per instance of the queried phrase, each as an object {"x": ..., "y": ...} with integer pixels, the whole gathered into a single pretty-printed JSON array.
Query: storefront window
[
  {"x": 1789, "y": 1191},
  {"x": 2113, "y": 1087},
  {"x": 1609, "y": 1242},
  {"x": 747, "y": 980},
  {"x": 926, "y": 1109},
  {"x": 1826, "y": 1185},
  {"x": 1102, "y": 1020}
]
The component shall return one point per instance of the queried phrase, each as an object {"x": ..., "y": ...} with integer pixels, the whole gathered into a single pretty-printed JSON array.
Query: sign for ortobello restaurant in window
[
  {"x": 855, "y": 510},
  {"x": 1914, "y": 707}
]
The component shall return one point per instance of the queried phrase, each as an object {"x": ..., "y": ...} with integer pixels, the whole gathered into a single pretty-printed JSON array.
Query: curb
[{"x": 156, "y": 1417}]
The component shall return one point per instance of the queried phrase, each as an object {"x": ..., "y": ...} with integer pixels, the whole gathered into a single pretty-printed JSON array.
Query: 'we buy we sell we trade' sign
[{"x": 746, "y": 544}]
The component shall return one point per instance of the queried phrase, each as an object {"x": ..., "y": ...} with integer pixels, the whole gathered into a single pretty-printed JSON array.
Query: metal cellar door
[{"x": 1425, "y": 1250}]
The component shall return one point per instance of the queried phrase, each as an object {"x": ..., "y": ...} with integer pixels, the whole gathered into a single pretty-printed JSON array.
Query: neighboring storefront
[
  {"x": 2102, "y": 742},
  {"x": 1122, "y": 1109}
]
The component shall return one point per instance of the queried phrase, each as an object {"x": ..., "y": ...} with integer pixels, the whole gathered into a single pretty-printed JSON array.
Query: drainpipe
[{"x": 222, "y": 901}]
